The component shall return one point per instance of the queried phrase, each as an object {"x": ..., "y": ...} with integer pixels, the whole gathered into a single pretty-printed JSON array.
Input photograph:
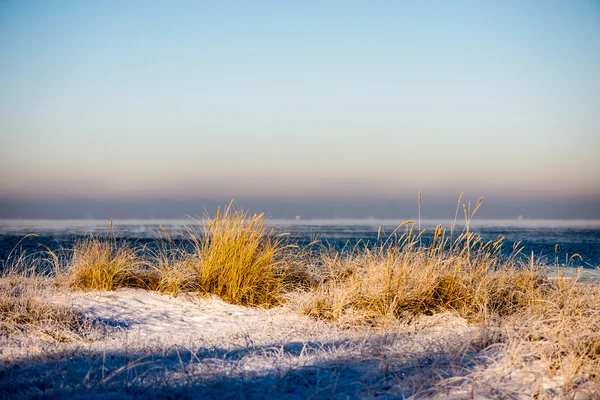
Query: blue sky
[{"x": 299, "y": 100}]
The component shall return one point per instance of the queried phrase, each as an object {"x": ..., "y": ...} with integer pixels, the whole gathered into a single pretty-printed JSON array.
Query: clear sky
[{"x": 300, "y": 101}]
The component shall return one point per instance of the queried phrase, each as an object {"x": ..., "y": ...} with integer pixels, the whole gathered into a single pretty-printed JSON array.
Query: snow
[{"x": 160, "y": 346}]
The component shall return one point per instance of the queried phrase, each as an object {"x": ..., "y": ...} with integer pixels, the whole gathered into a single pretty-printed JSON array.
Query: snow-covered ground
[{"x": 158, "y": 346}]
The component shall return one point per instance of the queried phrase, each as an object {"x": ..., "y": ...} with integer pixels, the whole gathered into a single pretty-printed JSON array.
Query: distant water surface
[{"x": 538, "y": 236}]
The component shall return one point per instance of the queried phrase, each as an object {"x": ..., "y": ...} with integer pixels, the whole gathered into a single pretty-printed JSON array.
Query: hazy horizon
[
  {"x": 406, "y": 208},
  {"x": 344, "y": 109}
]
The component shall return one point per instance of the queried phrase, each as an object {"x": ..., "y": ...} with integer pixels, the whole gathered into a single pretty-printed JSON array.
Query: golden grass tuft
[
  {"x": 239, "y": 259},
  {"x": 104, "y": 264},
  {"x": 233, "y": 256}
]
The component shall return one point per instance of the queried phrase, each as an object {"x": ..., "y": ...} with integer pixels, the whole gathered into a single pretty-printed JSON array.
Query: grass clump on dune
[
  {"x": 405, "y": 276},
  {"x": 234, "y": 256},
  {"x": 400, "y": 282},
  {"x": 239, "y": 259},
  {"x": 104, "y": 264}
]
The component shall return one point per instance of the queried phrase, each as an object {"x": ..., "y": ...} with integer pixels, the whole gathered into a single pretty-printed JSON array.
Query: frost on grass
[{"x": 31, "y": 323}]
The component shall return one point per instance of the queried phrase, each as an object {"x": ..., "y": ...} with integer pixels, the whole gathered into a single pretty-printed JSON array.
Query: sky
[{"x": 336, "y": 108}]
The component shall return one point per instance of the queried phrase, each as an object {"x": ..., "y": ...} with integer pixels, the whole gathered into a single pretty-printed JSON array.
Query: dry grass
[
  {"x": 239, "y": 259},
  {"x": 104, "y": 264},
  {"x": 25, "y": 283},
  {"x": 174, "y": 269},
  {"x": 546, "y": 351},
  {"x": 233, "y": 256},
  {"x": 405, "y": 278},
  {"x": 563, "y": 331},
  {"x": 25, "y": 311}
]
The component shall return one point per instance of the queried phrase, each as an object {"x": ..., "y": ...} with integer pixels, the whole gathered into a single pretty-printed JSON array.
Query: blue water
[{"x": 538, "y": 236}]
